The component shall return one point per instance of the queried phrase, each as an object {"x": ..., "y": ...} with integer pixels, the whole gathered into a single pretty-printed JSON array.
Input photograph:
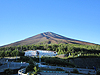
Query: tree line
[
  {"x": 11, "y": 53},
  {"x": 74, "y": 49}
]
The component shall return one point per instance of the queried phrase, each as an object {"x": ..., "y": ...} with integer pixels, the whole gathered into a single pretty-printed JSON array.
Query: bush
[
  {"x": 75, "y": 71},
  {"x": 98, "y": 72},
  {"x": 66, "y": 72},
  {"x": 36, "y": 70},
  {"x": 58, "y": 62},
  {"x": 59, "y": 69},
  {"x": 24, "y": 58},
  {"x": 8, "y": 71}
]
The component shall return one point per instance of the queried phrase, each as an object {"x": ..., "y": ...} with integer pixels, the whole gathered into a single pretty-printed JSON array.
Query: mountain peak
[
  {"x": 48, "y": 32},
  {"x": 48, "y": 38}
]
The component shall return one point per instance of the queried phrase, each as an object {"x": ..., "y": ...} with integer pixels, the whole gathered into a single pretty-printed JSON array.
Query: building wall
[
  {"x": 46, "y": 53},
  {"x": 41, "y": 53},
  {"x": 30, "y": 53}
]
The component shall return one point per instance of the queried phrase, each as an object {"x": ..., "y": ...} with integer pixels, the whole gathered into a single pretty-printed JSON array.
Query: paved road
[{"x": 81, "y": 70}]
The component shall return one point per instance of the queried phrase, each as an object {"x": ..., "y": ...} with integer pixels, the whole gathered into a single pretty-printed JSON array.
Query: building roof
[
  {"x": 39, "y": 50},
  {"x": 30, "y": 50},
  {"x": 46, "y": 50}
]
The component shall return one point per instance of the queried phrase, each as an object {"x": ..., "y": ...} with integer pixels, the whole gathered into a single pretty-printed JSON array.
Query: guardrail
[{"x": 54, "y": 71}]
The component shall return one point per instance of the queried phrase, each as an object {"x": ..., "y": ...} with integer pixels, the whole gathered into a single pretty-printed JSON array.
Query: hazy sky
[{"x": 77, "y": 19}]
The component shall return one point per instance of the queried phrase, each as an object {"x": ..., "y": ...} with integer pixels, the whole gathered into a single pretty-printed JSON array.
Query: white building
[
  {"x": 40, "y": 53},
  {"x": 30, "y": 53}
]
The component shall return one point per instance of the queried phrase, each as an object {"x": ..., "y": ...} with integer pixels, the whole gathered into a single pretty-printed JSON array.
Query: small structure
[{"x": 40, "y": 53}]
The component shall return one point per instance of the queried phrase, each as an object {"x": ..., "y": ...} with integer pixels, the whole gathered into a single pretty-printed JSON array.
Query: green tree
[
  {"x": 2, "y": 53},
  {"x": 36, "y": 70},
  {"x": 31, "y": 66}
]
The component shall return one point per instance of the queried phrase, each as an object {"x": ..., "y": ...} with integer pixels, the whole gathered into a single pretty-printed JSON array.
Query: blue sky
[{"x": 77, "y": 19}]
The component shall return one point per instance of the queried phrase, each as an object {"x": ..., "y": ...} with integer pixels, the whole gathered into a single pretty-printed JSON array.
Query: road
[
  {"x": 81, "y": 70},
  {"x": 42, "y": 73},
  {"x": 12, "y": 65},
  {"x": 17, "y": 65}
]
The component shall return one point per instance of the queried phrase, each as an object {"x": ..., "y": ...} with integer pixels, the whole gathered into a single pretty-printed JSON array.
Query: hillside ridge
[{"x": 48, "y": 38}]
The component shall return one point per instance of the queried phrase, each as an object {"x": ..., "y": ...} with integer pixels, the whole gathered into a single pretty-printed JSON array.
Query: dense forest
[{"x": 73, "y": 49}]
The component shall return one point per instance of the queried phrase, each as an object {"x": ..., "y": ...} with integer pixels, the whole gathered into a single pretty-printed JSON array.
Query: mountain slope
[{"x": 48, "y": 38}]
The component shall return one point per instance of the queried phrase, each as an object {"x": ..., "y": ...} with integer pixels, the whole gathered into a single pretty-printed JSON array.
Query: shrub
[
  {"x": 8, "y": 71},
  {"x": 36, "y": 70},
  {"x": 98, "y": 72},
  {"x": 66, "y": 72},
  {"x": 75, "y": 71}
]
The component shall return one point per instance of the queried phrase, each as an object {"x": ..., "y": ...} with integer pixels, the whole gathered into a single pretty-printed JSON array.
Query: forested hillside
[{"x": 73, "y": 49}]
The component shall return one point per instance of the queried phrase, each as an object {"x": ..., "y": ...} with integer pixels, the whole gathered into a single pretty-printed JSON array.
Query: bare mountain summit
[{"x": 48, "y": 38}]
